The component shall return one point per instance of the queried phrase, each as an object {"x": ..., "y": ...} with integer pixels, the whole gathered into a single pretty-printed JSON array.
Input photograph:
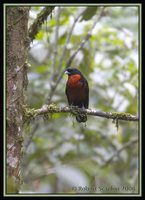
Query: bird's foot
[{"x": 74, "y": 109}]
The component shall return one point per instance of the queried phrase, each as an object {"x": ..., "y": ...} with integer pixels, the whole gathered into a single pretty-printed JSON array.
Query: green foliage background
[{"x": 63, "y": 156}]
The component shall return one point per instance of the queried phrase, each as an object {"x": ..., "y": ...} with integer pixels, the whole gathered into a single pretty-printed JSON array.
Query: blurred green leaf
[
  {"x": 39, "y": 35},
  {"x": 41, "y": 69},
  {"x": 89, "y": 13}
]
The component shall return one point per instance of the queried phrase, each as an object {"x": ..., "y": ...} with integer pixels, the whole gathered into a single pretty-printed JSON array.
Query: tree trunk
[{"x": 16, "y": 50}]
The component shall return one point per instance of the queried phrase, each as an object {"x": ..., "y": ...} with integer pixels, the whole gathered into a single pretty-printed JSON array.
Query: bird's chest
[
  {"x": 74, "y": 81},
  {"x": 75, "y": 89}
]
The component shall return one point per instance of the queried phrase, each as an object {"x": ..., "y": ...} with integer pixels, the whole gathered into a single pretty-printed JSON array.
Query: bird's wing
[
  {"x": 86, "y": 103},
  {"x": 67, "y": 94}
]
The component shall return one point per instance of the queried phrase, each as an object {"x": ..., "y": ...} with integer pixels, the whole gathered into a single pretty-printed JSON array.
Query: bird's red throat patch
[{"x": 73, "y": 80}]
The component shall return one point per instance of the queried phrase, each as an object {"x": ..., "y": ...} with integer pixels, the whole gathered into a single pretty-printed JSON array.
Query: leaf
[
  {"x": 89, "y": 13},
  {"x": 39, "y": 35},
  {"x": 41, "y": 68}
]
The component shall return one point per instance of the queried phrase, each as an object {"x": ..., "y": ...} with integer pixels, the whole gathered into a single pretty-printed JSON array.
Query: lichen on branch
[
  {"x": 52, "y": 108},
  {"x": 41, "y": 17}
]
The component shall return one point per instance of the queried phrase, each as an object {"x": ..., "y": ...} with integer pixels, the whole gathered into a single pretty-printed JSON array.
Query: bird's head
[{"x": 72, "y": 71}]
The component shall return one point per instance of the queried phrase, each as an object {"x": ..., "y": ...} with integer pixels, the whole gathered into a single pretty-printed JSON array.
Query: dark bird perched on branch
[{"x": 77, "y": 92}]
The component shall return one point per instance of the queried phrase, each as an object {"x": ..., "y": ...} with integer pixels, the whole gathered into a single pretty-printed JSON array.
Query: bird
[{"x": 77, "y": 92}]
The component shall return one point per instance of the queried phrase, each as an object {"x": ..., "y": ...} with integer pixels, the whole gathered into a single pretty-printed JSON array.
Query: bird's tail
[{"x": 81, "y": 117}]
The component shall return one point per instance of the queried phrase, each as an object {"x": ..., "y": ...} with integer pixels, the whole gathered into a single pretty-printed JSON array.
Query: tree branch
[
  {"x": 55, "y": 75},
  {"x": 56, "y": 40},
  {"x": 68, "y": 39},
  {"x": 125, "y": 146},
  {"x": 34, "y": 28},
  {"x": 55, "y": 52},
  {"x": 47, "y": 109},
  {"x": 69, "y": 61},
  {"x": 29, "y": 139},
  {"x": 87, "y": 37}
]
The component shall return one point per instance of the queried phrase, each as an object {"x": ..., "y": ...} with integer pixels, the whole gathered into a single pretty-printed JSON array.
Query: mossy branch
[
  {"x": 50, "y": 109},
  {"x": 41, "y": 17}
]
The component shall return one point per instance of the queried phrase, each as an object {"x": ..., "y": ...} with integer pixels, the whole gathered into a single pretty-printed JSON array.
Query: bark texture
[{"x": 16, "y": 51}]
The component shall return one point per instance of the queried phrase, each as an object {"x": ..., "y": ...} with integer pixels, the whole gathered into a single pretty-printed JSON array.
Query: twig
[
  {"x": 29, "y": 140},
  {"x": 68, "y": 38},
  {"x": 125, "y": 146},
  {"x": 87, "y": 37},
  {"x": 56, "y": 74},
  {"x": 34, "y": 28},
  {"x": 56, "y": 40},
  {"x": 54, "y": 53},
  {"x": 46, "y": 109}
]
